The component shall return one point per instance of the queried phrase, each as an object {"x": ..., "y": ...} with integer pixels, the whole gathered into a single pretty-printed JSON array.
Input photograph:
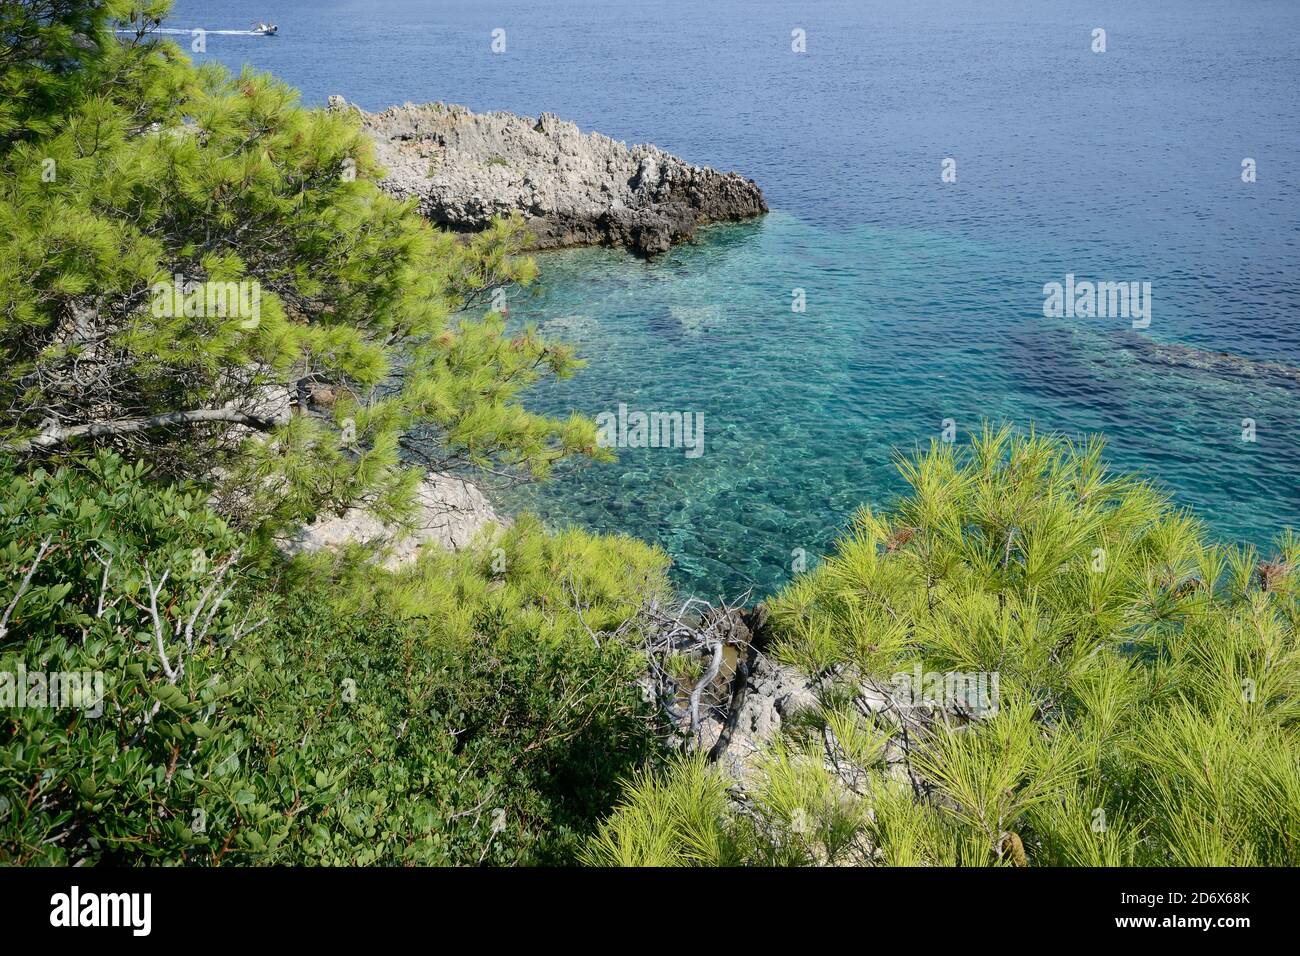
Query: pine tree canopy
[{"x": 187, "y": 257}]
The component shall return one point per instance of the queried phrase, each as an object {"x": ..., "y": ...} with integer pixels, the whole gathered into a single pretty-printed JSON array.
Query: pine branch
[{"x": 125, "y": 426}]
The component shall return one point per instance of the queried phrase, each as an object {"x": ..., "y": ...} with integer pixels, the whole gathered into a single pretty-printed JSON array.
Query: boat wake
[
  {"x": 222, "y": 33},
  {"x": 259, "y": 30}
]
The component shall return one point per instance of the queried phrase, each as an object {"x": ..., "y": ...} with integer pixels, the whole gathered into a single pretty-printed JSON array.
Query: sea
[{"x": 941, "y": 173}]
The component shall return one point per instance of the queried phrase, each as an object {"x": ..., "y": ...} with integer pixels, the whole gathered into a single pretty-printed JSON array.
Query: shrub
[
  {"x": 124, "y": 785},
  {"x": 332, "y": 712},
  {"x": 1148, "y": 677},
  {"x": 495, "y": 717}
]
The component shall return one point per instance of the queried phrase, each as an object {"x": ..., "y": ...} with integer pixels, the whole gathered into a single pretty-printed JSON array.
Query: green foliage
[
  {"x": 122, "y": 165},
  {"x": 121, "y": 785},
  {"x": 473, "y": 709},
  {"x": 444, "y": 714},
  {"x": 675, "y": 819},
  {"x": 480, "y": 707},
  {"x": 1148, "y": 679},
  {"x": 44, "y": 47},
  {"x": 683, "y": 816},
  {"x": 534, "y": 719}
]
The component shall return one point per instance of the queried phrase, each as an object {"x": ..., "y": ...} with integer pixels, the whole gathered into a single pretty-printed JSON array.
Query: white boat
[{"x": 261, "y": 28}]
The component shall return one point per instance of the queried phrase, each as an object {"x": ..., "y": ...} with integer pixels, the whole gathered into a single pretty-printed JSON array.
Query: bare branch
[
  {"x": 714, "y": 666},
  {"x": 577, "y": 609},
  {"x": 242, "y": 631},
  {"x": 22, "y": 588},
  {"x": 125, "y": 426},
  {"x": 103, "y": 585},
  {"x": 220, "y": 570},
  {"x": 172, "y": 675}
]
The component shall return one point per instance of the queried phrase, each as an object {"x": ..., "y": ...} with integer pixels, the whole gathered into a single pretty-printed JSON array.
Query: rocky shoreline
[{"x": 572, "y": 188}]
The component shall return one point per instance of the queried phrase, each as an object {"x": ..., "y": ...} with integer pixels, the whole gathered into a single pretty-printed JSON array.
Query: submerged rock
[
  {"x": 573, "y": 189},
  {"x": 1223, "y": 364}
]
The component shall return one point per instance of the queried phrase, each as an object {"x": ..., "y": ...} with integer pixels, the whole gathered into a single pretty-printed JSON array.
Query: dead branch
[
  {"x": 172, "y": 675},
  {"x": 22, "y": 588},
  {"x": 53, "y": 436},
  {"x": 103, "y": 585},
  {"x": 695, "y": 629},
  {"x": 715, "y": 665}
]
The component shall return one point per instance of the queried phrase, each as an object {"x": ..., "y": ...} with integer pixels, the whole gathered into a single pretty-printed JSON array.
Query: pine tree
[
  {"x": 1145, "y": 711},
  {"x": 196, "y": 270}
]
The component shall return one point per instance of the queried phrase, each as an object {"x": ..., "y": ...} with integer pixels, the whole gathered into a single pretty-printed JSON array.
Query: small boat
[{"x": 261, "y": 28}]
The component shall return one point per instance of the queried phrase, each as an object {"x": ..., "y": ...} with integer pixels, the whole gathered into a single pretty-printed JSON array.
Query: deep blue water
[{"x": 924, "y": 298}]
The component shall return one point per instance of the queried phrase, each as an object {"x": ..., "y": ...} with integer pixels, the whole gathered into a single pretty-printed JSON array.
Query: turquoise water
[
  {"x": 924, "y": 298},
  {"x": 803, "y": 412}
]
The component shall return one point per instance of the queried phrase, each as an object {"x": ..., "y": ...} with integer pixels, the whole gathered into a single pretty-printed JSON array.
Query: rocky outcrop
[
  {"x": 772, "y": 694},
  {"x": 752, "y": 698},
  {"x": 734, "y": 704},
  {"x": 572, "y": 188},
  {"x": 451, "y": 513}
]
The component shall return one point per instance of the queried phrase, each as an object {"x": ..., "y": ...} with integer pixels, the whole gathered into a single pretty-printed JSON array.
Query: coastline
[
  {"x": 571, "y": 188},
  {"x": 574, "y": 190}
]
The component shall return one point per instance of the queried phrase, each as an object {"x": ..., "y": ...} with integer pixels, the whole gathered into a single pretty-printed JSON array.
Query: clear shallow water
[{"x": 924, "y": 298}]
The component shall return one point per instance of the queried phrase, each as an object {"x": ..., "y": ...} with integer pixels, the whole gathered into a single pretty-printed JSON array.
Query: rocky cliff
[{"x": 572, "y": 188}]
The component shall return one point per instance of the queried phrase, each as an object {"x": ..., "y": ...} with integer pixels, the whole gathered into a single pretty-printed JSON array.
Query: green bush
[
  {"x": 122, "y": 785},
  {"x": 459, "y": 711},
  {"x": 486, "y": 724},
  {"x": 1148, "y": 682}
]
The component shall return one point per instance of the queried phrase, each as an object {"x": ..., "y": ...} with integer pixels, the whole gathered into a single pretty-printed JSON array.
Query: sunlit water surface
[{"x": 924, "y": 298}]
